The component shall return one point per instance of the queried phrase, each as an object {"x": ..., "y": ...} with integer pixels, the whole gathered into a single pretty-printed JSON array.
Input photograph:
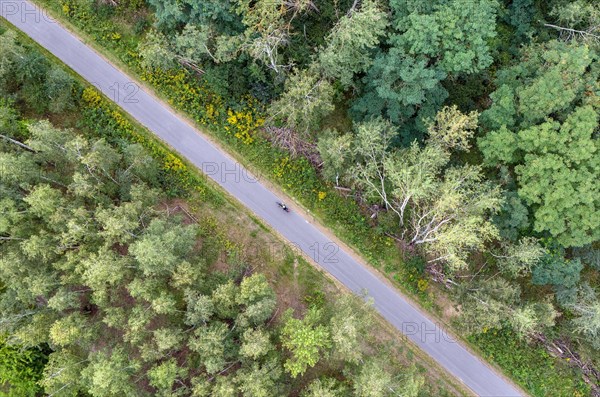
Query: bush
[
  {"x": 176, "y": 178},
  {"x": 530, "y": 365},
  {"x": 20, "y": 369}
]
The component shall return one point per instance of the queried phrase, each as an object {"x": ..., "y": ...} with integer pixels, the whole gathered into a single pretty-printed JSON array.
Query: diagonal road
[{"x": 189, "y": 142}]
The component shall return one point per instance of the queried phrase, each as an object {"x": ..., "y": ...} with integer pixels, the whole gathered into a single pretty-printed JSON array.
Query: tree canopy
[
  {"x": 95, "y": 268},
  {"x": 545, "y": 129}
]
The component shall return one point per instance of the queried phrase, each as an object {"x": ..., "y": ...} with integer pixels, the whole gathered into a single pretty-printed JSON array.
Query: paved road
[{"x": 161, "y": 120}]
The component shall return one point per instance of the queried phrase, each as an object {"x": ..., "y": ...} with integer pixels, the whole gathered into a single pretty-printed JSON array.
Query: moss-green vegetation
[
  {"x": 548, "y": 377},
  {"x": 20, "y": 369}
]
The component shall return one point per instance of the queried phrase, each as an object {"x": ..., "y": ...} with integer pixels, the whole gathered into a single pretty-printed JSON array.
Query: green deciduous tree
[
  {"x": 257, "y": 299},
  {"x": 542, "y": 122},
  {"x": 425, "y": 44},
  {"x": 109, "y": 374},
  {"x": 351, "y": 42},
  {"x": 211, "y": 343},
  {"x": 199, "y": 309},
  {"x": 518, "y": 259},
  {"x": 531, "y": 318},
  {"x": 333, "y": 148},
  {"x": 306, "y": 341},
  {"x": 159, "y": 250},
  {"x": 10, "y": 52},
  {"x": 445, "y": 208},
  {"x": 72, "y": 329},
  {"x": 554, "y": 270},
  {"x": 225, "y": 387},
  {"x": 554, "y": 90},
  {"x": 557, "y": 174},
  {"x": 168, "y": 339},
  {"x": 220, "y": 13},
  {"x": 260, "y": 380},
  {"x": 550, "y": 80},
  {"x": 59, "y": 89},
  {"x": 325, "y": 388},
  {"x": 256, "y": 343},
  {"x": 348, "y": 323},
  {"x": 167, "y": 378},
  {"x": 398, "y": 87},
  {"x": 555, "y": 166},
  {"x": 372, "y": 380},
  {"x": 10, "y": 123},
  {"x": 31, "y": 72},
  {"x": 267, "y": 31},
  {"x": 192, "y": 48},
  {"x": 308, "y": 97},
  {"x": 587, "y": 311},
  {"x": 456, "y": 33},
  {"x": 453, "y": 130},
  {"x": 104, "y": 270},
  {"x": 577, "y": 20},
  {"x": 192, "y": 44},
  {"x": 156, "y": 52},
  {"x": 62, "y": 374},
  {"x": 494, "y": 303},
  {"x": 224, "y": 300},
  {"x": 485, "y": 305}
]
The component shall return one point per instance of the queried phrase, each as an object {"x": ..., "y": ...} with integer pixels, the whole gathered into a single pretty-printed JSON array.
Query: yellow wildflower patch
[
  {"x": 173, "y": 163},
  {"x": 91, "y": 97},
  {"x": 422, "y": 284},
  {"x": 243, "y": 124}
]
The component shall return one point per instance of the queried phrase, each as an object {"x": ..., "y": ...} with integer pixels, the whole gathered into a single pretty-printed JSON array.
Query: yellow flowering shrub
[
  {"x": 172, "y": 162},
  {"x": 120, "y": 120},
  {"x": 243, "y": 125},
  {"x": 280, "y": 168},
  {"x": 211, "y": 112},
  {"x": 422, "y": 285},
  {"x": 76, "y": 11},
  {"x": 91, "y": 97},
  {"x": 112, "y": 36},
  {"x": 188, "y": 93}
]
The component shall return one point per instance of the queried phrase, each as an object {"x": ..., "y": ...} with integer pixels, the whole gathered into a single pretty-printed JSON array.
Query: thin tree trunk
[
  {"x": 24, "y": 146},
  {"x": 573, "y": 31}
]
